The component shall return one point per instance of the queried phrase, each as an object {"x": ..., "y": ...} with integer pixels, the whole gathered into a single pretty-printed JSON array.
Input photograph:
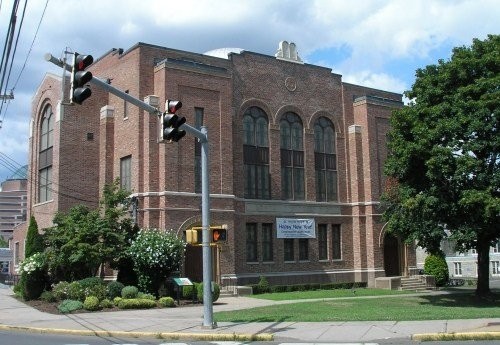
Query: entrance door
[
  {"x": 392, "y": 262},
  {"x": 193, "y": 263}
]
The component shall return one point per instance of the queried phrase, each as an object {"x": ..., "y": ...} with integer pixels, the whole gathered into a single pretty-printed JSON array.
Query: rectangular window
[
  {"x": 267, "y": 242},
  {"x": 495, "y": 268},
  {"x": 126, "y": 173},
  {"x": 198, "y": 122},
  {"x": 45, "y": 184},
  {"x": 288, "y": 249},
  {"x": 322, "y": 242},
  {"x": 457, "y": 268},
  {"x": 496, "y": 247},
  {"x": 303, "y": 249},
  {"x": 16, "y": 254},
  {"x": 336, "y": 242},
  {"x": 251, "y": 243}
]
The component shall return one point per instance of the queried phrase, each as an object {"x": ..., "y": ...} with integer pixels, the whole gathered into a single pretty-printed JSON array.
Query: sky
[{"x": 375, "y": 43}]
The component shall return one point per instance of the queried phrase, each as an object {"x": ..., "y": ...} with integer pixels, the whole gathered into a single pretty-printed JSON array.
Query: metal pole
[{"x": 205, "y": 224}]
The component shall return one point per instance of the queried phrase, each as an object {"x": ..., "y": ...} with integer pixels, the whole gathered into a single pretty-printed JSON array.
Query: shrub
[
  {"x": 263, "y": 285},
  {"x": 215, "y": 292},
  {"x": 114, "y": 289},
  {"x": 75, "y": 291},
  {"x": 91, "y": 303},
  {"x": 146, "y": 296},
  {"x": 106, "y": 303},
  {"x": 90, "y": 282},
  {"x": 155, "y": 254},
  {"x": 117, "y": 300},
  {"x": 436, "y": 266},
  {"x": 34, "y": 240},
  {"x": 130, "y": 292},
  {"x": 166, "y": 302},
  {"x": 136, "y": 303},
  {"x": 48, "y": 296},
  {"x": 60, "y": 290},
  {"x": 188, "y": 291},
  {"x": 69, "y": 305},
  {"x": 99, "y": 291}
]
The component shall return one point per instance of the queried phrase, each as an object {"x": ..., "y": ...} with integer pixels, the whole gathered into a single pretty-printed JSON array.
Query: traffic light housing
[
  {"x": 219, "y": 235},
  {"x": 170, "y": 122},
  {"x": 192, "y": 236},
  {"x": 80, "y": 77}
]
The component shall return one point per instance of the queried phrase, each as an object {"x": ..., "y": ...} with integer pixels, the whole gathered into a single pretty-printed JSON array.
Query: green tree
[
  {"x": 443, "y": 165},
  {"x": 3, "y": 242},
  {"x": 83, "y": 239},
  {"x": 34, "y": 240}
]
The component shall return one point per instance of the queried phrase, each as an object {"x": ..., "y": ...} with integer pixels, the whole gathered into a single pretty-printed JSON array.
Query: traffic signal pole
[{"x": 205, "y": 188}]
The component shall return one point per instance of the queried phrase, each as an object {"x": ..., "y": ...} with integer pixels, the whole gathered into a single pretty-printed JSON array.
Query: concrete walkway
[{"x": 186, "y": 323}]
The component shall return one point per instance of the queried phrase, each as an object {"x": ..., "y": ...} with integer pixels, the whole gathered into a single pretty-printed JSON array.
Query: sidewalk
[{"x": 186, "y": 323}]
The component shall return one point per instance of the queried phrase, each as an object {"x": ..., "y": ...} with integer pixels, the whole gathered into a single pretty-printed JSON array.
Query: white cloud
[{"x": 381, "y": 81}]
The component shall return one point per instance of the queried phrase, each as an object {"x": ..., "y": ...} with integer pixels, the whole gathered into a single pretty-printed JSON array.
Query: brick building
[{"x": 290, "y": 145}]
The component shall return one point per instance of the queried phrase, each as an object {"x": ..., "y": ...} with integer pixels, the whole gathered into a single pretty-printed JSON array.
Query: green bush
[
  {"x": 435, "y": 265},
  {"x": 215, "y": 292},
  {"x": 117, "y": 300},
  {"x": 136, "y": 303},
  {"x": 48, "y": 296},
  {"x": 166, "y": 302},
  {"x": 91, "y": 282},
  {"x": 262, "y": 286},
  {"x": 146, "y": 296},
  {"x": 69, "y": 305},
  {"x": 33, "y": 284},
  {"x": 130, "y": 292},
  {"x": 75, "y": 291},
  {"x": 106, "y": 303},
  {"x": 91, "y": 303},
  {"x": 60, "y": 290},
  {"x": 114, "y": 289},
  {"x": 188, "y": 292}
]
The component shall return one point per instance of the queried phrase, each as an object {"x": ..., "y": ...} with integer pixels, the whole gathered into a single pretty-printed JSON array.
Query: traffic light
[
  {"x": 171, "y": 122},
  {"x": 219, "y": 235},
  {"x": 80, "y": 77}
]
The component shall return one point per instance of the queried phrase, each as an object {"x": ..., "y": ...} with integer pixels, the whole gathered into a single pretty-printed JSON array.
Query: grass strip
[{"x": 404, "y": 308}]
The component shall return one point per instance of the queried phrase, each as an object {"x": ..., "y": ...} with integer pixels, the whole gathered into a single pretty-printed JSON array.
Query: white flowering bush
[
  {"x": 32, "y": 263},
  {"x": 155, "y": 254}
]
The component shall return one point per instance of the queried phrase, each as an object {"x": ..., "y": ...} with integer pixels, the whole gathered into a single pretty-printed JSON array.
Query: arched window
[
  {"x": 292, "y": 157},
  {"x": 325, "y": 160},
  {"x": 256, "y": 154},
  {"x": 45, "y": 155}
]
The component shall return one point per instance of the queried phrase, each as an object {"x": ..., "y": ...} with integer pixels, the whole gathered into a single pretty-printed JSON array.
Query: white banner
[{"x": 295, "y": 228}]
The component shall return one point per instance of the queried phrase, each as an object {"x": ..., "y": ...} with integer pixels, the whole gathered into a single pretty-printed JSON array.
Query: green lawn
[
  {"x": 402, "y": 308},
  {"x": 317, "y": 294}
]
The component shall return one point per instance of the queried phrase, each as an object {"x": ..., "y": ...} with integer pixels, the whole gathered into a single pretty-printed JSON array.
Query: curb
[
  {"x": 158, "y": 335},
  {"x": 457, "y": 336}
]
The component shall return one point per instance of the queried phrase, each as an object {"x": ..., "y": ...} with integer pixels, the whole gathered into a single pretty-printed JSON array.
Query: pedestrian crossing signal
[{"x": 219, "y": 235}]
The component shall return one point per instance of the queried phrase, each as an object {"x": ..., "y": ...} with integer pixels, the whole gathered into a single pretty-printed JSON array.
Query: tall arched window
[
  {"x": 45, "y": 155},
  {"x": 292, "y": 157},
  {"x": 325, "y": 160},
  {"x": 256, "y": 154}
]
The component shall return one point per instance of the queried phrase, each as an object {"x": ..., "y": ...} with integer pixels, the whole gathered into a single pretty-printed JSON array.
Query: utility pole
[{"x": 205, "y": 188}]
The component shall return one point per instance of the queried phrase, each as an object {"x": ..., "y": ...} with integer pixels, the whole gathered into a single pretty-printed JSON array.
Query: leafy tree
[
  {"x": 156, "y": 254},
  {"x": 3, "y": 242},
  {"x": 34, "y": 240},
  {"x": 444, "y": 157},
  {"x": 83, "y": 239}
]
